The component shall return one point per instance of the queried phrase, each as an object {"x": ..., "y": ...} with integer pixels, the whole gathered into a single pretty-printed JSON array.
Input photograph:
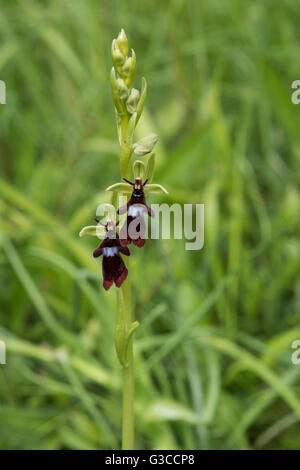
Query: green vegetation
[{"x": 213, "y": 349}]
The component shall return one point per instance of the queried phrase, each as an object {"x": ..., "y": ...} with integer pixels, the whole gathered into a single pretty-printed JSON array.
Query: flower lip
[
  {"x": 110, "y": 251},
  {"x": 136, "y": 210}
]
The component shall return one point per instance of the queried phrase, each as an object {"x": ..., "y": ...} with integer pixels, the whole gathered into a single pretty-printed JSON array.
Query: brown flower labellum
[
  {"x": 135, "y": 208},
  {"x": 113, "y": 266}
]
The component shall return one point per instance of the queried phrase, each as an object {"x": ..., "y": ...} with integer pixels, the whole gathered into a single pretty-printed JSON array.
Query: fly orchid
[
  {"x": 113, "y": 266},
  {"x": 135, "y": 208},
  {"x": 134, "y": 229},
  {"x": 128, "y": 106}
]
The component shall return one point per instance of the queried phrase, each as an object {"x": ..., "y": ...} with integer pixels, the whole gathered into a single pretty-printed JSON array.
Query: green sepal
[
  {"x": 155, "y": 189},
  {"x": 93, "y": 231},
  {"x": 120, "y": 188}
]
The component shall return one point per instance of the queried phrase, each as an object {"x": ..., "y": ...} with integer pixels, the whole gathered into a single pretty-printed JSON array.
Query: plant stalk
[
  {"x": 128, "y": 390},
  {"x": 124, "y": 322},
  {"x": 128, "y": 402},
  {"x": 121, "y": 77}
]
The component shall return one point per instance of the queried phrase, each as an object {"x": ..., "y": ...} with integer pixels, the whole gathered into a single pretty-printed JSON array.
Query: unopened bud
[
  {"x": 129, "y": 67},
  {"x": 117, "y": 55},
  {"x": 123, "y": 42},
  {"x": 122, "y": 89},
  {"x": 145, "y": 145},
  {"x": 133, "y": 100}
]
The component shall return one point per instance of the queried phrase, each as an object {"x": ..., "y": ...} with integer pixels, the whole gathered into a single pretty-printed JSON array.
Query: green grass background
[{"x": 213, "y": 351}]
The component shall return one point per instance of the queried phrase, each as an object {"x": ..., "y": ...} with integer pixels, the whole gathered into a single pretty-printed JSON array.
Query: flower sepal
[
  {"x": 155, "y": 189},
  {"x": 93, "y": 231},
  {"x": 139, "y": 170},
  {"x": 120, "y": 188}
]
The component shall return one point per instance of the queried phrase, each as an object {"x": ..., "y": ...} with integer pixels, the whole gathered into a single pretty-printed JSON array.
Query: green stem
[
  {"x": 124, "y": 325},
  {"x": 124, "y": 322},
  {"x": 124, "y": 341},
  {"x": 128, "y": 401}
]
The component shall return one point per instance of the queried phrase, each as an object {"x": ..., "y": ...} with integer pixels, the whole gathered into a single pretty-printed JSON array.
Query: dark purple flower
[
  {"x": 135, "y": 208},
  {"x": 113, "y": 266}
]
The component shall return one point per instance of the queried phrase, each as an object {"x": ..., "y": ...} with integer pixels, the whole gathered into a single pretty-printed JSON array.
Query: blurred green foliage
[{"x": 213, "y": 352}]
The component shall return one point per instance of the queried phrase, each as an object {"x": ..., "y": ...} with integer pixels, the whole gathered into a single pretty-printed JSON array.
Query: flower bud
[
  {"x": 145, "y": 145},
  {"x": 123, "y": 42},
  {"x": 133, "y": 100},
  {"x": 117, "y": 55},
  {"x": 127, "y": 66},
  {"x": 122, "y": 89},
  {"x": 128, "y": 69}
]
